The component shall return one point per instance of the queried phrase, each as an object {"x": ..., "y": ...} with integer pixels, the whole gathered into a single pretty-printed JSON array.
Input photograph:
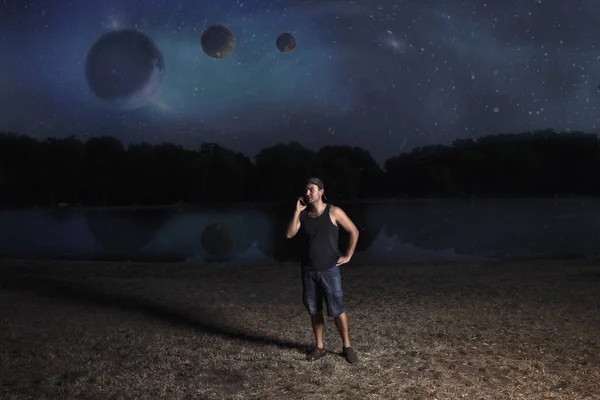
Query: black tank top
[{"x": 321, "y": 251}]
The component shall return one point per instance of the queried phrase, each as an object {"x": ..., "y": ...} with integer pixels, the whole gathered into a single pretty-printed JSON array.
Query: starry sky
[{"x": 385, "y": 75}]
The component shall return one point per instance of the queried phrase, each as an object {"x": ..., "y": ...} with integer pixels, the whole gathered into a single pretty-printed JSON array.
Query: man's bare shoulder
[{"x": 336, "y": 211}]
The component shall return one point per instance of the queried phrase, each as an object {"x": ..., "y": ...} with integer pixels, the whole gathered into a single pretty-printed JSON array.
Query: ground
[{"x": 496, "y": 330}]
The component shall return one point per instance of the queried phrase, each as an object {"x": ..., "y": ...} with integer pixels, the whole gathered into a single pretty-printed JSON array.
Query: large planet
[
  {"x": 286, "y": 42},
  {"x": 125, "y": 68},
  {"x": 217, "y": 41}
]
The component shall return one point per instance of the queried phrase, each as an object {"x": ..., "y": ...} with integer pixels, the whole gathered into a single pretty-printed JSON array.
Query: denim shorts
[{"x": 323, "y": 285}]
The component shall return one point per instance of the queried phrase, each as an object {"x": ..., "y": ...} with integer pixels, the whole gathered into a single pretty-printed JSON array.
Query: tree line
[{"x": 101, "y": 171}]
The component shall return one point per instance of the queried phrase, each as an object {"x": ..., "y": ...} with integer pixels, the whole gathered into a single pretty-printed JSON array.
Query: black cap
[
  {"x": 315, "y": 181},
  {"x": 319, "y": 183}
]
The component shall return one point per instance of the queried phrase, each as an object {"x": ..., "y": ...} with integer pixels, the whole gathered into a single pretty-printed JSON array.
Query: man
[{"x": 321, "y": 279}]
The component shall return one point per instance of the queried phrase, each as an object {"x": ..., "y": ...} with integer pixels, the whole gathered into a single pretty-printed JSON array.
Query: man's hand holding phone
[{"x": 301, "y": 204}]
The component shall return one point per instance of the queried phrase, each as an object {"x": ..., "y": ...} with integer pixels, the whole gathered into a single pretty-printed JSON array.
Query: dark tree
[
  {"x": 100, "y": 171},
  {"x": 282, "y": 171}
]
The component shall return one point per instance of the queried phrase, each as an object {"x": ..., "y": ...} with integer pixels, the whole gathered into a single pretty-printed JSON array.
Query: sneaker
[
  {"x": 315, "y": 354},
  {"x": 350, "y": 355}
]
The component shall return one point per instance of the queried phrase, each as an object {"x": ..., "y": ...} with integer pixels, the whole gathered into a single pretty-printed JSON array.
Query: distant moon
[
  {"x": 217, "y": 41},
  {"x": 286, "y": 42}
]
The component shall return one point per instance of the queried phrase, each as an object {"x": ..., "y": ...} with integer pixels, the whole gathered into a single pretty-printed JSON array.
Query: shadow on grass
[{"x": 81, "y": 293}]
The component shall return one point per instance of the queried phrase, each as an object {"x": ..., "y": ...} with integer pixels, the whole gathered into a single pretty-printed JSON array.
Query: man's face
[{"x": 313, "y": 194}]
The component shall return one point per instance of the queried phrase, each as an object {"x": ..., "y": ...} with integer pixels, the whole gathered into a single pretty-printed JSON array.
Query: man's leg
[
  {"x": 318, "y": 325},
  {"x": 334, "y": 295},
  {"x": 335, "y": 308},
  {"x": 341, "y": 321},
  {"x": 313, "y": 302}
]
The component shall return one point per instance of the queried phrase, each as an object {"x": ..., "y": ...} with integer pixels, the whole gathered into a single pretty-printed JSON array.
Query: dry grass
[{"x": 519, "y": 330}]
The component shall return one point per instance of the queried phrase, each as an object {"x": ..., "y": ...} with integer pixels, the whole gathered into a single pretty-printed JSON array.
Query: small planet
[
  {"x": 217, "y": 41},
  {"x": 286, "y": 42},
  {"x": 217, "y": 239},
  {"x": 125, "y": 68}
]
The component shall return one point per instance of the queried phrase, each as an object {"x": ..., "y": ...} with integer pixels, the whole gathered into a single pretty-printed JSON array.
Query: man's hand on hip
[{"x": 342, "y": 260}]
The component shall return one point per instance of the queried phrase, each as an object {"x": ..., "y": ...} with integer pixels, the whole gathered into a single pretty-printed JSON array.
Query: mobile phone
[{"x": 302, "y": 201}]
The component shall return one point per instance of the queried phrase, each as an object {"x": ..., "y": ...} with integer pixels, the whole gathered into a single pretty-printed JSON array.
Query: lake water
[{"x": 406, "y": 230}]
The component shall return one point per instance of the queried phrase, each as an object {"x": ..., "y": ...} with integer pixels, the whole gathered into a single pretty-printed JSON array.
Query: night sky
[{"x": 386, "y": 75}]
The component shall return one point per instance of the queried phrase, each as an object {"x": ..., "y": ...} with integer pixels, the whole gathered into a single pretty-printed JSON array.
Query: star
[{"x": 396, "y": 44}]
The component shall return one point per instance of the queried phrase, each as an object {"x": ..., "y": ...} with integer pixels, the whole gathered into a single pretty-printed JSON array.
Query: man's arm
[
  {"x": 294, "y": 225},
  {"x": 345, "y": 222}
]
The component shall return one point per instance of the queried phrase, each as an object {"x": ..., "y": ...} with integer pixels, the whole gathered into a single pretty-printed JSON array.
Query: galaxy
[{"x": 384, "y": 75}]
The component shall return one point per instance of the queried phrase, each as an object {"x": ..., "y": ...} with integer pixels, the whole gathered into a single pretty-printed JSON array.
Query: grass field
[{"x": 502, "y": 330}]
